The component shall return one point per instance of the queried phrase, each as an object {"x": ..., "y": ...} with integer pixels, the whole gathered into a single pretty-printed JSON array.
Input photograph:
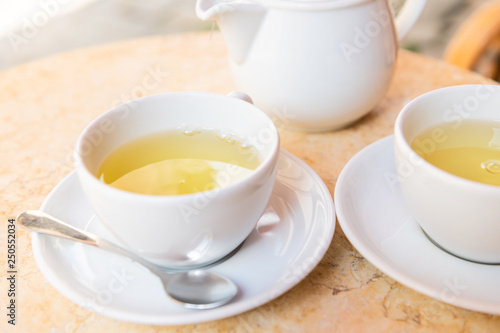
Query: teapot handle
[{"x": 408, "y": 15}]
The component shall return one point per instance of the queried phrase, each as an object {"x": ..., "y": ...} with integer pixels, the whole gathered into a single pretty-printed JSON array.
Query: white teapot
[{"x": 312, "y": 65}]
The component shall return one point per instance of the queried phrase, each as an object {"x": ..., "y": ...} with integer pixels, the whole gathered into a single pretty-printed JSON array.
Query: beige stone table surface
[{"x": 44, "y": 105}]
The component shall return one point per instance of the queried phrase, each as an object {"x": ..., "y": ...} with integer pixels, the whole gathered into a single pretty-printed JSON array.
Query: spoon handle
[
  {"x": 41, "y": 222},
  {"x": 44, "y": 223}
]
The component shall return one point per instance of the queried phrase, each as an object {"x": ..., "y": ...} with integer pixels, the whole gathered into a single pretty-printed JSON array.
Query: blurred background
[{"x": 30, "y": 29}]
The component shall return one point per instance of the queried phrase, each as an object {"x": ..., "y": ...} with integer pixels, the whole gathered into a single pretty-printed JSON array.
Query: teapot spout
[{"x": 239, "y": 22}]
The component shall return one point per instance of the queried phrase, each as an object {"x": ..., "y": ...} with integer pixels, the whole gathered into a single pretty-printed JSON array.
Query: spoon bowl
[{"x": 194, "y": 289}]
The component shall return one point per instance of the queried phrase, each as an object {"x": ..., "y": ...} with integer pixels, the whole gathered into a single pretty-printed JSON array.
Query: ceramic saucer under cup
[
  {"x": 288, "y": 242},
  {"x": 374, "y": 217}
]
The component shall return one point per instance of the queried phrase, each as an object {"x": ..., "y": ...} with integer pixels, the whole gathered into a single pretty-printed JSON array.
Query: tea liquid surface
[
  {"x": 176, "y": 162},
  {"x": 470, "y": 149}
]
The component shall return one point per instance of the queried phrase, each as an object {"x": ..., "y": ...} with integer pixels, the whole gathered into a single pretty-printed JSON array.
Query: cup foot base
[
  {"x": 206, "y": 265},
  {"x": 445, "y": 250}
]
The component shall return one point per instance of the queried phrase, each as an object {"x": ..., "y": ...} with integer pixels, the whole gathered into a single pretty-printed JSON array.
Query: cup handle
[
  {"x": 241, "y": 95},
  {"x": 408, "y": 15}
]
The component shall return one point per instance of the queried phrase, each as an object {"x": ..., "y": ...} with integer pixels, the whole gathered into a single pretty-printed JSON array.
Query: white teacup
[
  {"x": 189, "y": 230},
  {"x": 460, "y": 215}
]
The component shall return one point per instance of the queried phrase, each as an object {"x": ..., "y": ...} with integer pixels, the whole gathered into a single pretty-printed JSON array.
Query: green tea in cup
[
  {"x": 179, "y": 162},
  {"x": 159, "y": 147},
  {"x": 452, "y": 190},
  {"x": 469, "y": 149}
]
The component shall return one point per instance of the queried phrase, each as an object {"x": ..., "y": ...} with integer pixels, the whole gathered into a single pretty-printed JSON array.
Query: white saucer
[
  {"x": 288, "y": 242},
  {"x": 373, "y": 215}
]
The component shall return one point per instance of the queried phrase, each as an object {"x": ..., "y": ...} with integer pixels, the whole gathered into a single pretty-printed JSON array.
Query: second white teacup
[
  {"x": 189, "y": 230},
  {"x": 460, "y": 215}
]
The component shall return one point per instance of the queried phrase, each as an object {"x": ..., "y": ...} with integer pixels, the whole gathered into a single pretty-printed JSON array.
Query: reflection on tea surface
[{"x": 177, "y": 162}]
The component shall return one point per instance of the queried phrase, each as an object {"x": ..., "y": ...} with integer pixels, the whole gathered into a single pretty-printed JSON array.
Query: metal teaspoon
[{"x": 194, "y": 289}]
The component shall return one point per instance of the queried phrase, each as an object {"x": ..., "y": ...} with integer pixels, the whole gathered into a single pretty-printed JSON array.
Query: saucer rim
[
  {"x": 382, "y": 263},
  {"x": 61, "y": 285}
]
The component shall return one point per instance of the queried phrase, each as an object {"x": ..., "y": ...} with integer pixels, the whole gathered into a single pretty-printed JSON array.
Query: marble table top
[{"x": 45, "y": 104}]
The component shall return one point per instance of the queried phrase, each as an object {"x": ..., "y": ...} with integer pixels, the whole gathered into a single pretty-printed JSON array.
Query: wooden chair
[{"x": 476, "y": 44}]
